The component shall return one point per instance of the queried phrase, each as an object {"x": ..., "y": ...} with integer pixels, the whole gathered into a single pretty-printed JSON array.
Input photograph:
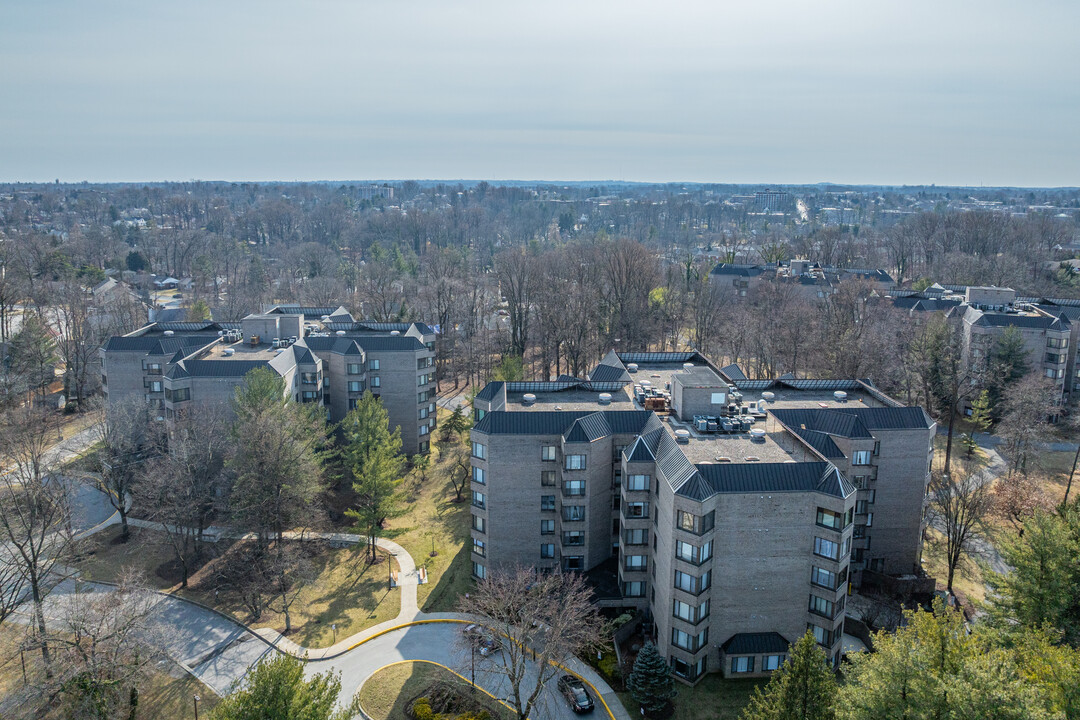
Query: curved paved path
[{"x": 219, "y": 650}]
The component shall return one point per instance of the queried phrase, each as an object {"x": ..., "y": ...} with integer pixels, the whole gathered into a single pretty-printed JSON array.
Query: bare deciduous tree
[
  {"x": 544, "y": 620},
  {"x": 959, "y": 505},
  {"x": 106, "y": 642},
  {"x": 35, "y": 514}
]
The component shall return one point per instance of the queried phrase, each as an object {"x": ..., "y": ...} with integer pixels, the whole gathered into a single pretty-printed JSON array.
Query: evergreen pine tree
[
  {"x": 372, "y": 453},
  {"x": 650, "y": 682},
  {"x": 804, "y": 688}
]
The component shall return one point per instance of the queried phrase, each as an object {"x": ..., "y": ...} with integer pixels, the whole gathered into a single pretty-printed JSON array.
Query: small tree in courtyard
[
  {"x": 650, "y": 682},
  {"x": 804, "y": 688}
]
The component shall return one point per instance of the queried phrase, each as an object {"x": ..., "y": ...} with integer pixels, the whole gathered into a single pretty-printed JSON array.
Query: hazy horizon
[{"x": 956, "y": 94}]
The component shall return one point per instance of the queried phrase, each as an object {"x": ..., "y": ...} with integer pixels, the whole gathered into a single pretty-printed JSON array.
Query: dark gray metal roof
[
  {"x": 755, "y": 644},
  {"x": 733, "y": 372},
  {"x": 1038, "y": 322},
  {"x": 767, "y": 477},
  {"x": 308, "y": 310},
  {"x": 222, "y": 368},
  {"x": 155, "y": 344},
  {"x": 588, "y": 428},
  {"x": 820, "y": 442},
  {"x": 336, "y": 345},
  {"x": 892, "y": 418},
  {"x": 557, "y": 422},
  {"x": 390, "y": 343},
  {"x": 490, "y": 391},
  {"x": 740, "y": 270},
  {"x": 831, "y": 421}
]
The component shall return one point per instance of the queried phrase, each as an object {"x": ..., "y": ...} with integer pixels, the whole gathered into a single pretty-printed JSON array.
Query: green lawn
[
  {"x": 387, "y": 693},
  {"x": 714, "y": 698},
  {"x": 433, "y": 516}
]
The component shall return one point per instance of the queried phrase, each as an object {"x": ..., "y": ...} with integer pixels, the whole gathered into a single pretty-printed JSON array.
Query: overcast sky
[{"x": 775, "y": 92}]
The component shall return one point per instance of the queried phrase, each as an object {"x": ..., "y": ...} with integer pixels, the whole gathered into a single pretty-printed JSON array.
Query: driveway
[{"x": 438, "y": 642}]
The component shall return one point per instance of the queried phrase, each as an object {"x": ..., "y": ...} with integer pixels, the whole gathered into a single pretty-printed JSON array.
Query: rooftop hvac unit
[
  {"x": 840, "y": 396},
  {"x": 646, "y": 385},
  {"x": 605, "y": 398},
  {"x": 528, "y": 399},
  {"x": 702, "y": 425},
  {"x": 221, "y": 333},
  {"x": 632, "y": 367},
  {"x": 340, "y": 333},
  {"x": 757, "y": 434},
  {"x": 682, "y": 436},
  {"x": 228, "y": 352},
  {"x": 277, "y": 342},
  {"x": 770, "y": 396},
  {"x": 169, "y": 333},
  {"x": 395, "y": 332}
]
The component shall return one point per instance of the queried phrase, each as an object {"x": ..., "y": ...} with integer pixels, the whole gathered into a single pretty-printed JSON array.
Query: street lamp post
[{"x": 195, "y": 698}]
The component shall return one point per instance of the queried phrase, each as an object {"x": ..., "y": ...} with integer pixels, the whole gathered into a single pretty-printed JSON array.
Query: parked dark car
[{"x": 575, "y": 693}]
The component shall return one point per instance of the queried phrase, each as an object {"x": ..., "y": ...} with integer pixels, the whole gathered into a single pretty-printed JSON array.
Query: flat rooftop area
[
  {"x": 242, "y": 351},
  {"x": 570, "y": 400},
  {"x": 775, "y": 447},
  {"x": 660, "y": 374}
]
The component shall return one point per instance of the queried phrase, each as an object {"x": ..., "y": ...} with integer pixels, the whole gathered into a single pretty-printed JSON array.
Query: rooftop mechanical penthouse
[{"x": 737, "y": 513}]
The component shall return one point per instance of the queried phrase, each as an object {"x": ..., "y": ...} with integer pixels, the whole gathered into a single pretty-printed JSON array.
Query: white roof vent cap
[
  {"x": 340, "y": 333},
  {"x": 840, "y": 396},
  {"x": 169, "y": 333}
]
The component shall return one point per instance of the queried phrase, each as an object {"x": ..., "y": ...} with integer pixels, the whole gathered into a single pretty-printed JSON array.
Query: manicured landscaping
[
  {"x": 387, "y": 693},
  {"x": 714, "y": 698}
]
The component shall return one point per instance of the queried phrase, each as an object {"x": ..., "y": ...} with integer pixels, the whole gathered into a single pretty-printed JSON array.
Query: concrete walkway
[{"x": 220, "y": 650}]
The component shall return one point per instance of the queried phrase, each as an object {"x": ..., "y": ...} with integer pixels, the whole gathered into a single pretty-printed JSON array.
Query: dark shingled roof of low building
[{"x": 755, "y": 644}]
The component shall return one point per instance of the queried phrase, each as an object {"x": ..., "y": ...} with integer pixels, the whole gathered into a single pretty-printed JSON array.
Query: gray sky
[{"x": 862, "y": 92}]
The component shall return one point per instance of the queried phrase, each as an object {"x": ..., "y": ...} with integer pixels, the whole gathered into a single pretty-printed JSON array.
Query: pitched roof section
[
  {"x": 335, "y": 345},
  {"x": 733, "y": 372},
  {"x": 891, "y": 418},
  {"x": 558, "y": 422},
  {"x": 155, "y": 344},
  {"x": 610, "y": 369},
  {"x": 490, "y": 391},
  {"x": 833, "y": 422},
  {"x": 755, "y": 644},
  {"x": 639, "y": 452},
  {"x": 768, "y": 477},
  {"x": 739, "y": 270},
  {"x": 588, "y": 429},
  {"x": 221, "y": 368},
  {"x": 820, "y": 442}
]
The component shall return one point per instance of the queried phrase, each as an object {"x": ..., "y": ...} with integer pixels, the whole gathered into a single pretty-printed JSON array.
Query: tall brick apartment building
[
  {"x": 322, "y": 354},
  {"x": 736, "y": 516}
]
